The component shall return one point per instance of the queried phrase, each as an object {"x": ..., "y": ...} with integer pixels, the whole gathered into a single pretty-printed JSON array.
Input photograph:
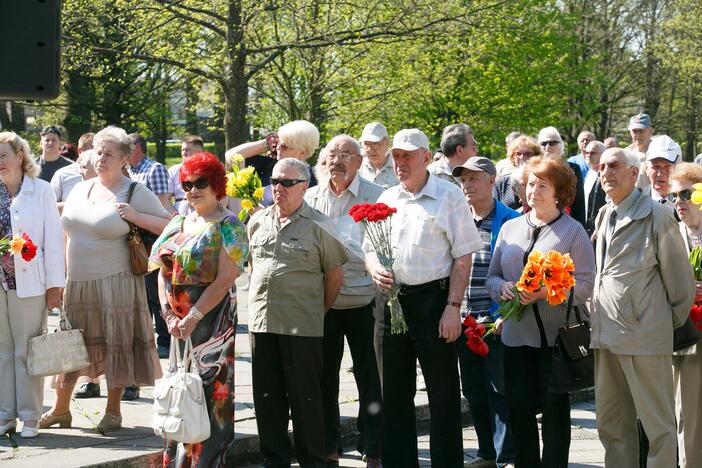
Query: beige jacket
[{"x": 645, "y": 288}]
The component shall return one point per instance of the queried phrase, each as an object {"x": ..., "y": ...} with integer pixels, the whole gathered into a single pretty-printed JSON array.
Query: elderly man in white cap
[
  {"x": 457, "y": 145},
  {"x": 663, "y": 153},
  {"x": 377, "y": 162},
  {"x": 433, "y": 237}
]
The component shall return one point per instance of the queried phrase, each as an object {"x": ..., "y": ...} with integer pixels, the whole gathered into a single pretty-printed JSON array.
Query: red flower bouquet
[
  {"x": 376, "y": 221},
  {"x": 17, "y": 245}
]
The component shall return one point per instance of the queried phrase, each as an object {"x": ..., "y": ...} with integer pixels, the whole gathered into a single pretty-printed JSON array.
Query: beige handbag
[{"x": 58, "y": 352}]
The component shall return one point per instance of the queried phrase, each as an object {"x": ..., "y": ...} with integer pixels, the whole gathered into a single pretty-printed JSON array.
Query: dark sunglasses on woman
[
  {"x": 683, "y": 195},
  {"x": 200, "y": 184}
]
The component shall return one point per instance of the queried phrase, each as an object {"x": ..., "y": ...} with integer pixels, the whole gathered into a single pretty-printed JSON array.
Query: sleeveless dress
[{"x": 188, "y": 263}]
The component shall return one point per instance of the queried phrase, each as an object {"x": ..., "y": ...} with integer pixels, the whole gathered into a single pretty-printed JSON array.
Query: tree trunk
[
  {"x": 191, "y": 122},
  {"x": 78, "y": 115},
  {"x": 12, "y": 117},
  {"x": 236, "y": 85},
  {"x": 691, "y": 130}
]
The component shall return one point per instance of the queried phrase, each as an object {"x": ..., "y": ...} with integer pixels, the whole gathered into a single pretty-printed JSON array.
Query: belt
[{"x": 410, "y": 289}]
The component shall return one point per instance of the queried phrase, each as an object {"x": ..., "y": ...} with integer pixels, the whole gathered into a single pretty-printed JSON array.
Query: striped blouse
[{"x": 541, "y": 321}]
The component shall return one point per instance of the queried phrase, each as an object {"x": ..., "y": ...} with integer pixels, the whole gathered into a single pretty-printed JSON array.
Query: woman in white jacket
[{"x": 27, "y": 206}]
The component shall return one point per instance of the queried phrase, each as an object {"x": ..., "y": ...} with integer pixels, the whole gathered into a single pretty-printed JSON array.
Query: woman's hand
[
  {"x": 171, "y": 320},
  {"x": 186, "y": 326},
  {"x": 53, "y": 298},
  {"x": 529, "y": 297},
  {"x": 127, "y": 212},
  {"x": 507, "y": 291}
]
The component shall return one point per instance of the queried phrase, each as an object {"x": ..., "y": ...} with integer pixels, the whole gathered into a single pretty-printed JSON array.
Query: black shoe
[
  {"x": 130, "y": 394},
  {"x": 164, "y": 352},
  {"x": 88, "y": 390}
]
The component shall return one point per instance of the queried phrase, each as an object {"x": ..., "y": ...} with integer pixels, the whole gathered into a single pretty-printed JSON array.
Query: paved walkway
[{"x": 136, "y": 445}]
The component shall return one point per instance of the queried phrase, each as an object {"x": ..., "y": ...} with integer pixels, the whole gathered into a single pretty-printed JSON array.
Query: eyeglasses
[
  {"x": 200, "y": 184},
  {"x": 549, "y": 143},
  {"x": 683, "y": 195},
  {"x": 525, "y": 154},
  {"x": 51, "y": 129},
  {"x": 611, "y": 165},
  {"x": 341, "y": 156},
  {"x": 287, "y": 183}
]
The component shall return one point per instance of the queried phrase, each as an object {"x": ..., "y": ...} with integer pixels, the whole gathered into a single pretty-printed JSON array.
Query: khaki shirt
[{"x": 286, "y": 292}]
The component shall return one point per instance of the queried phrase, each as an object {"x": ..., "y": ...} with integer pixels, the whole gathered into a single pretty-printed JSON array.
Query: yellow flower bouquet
[{"x": 244, "y": 184}]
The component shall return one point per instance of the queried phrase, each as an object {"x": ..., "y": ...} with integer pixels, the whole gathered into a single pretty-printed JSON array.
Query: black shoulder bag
[{"x": 573, "y": 362}]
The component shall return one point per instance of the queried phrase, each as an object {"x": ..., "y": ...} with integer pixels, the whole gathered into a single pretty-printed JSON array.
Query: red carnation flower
[
  {"x": 477, "y": 345},
  {"x": 29, "y": 250}
]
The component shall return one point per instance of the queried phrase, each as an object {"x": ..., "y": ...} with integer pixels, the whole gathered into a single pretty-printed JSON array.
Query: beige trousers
[
  {"x": 20, "y": 319},
  {"x": 628, "y": 386},
  {"x": 687, "y": 374}
]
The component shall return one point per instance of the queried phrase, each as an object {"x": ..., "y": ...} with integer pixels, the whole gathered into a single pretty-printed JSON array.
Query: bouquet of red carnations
[{"x": 376, "y": 220}]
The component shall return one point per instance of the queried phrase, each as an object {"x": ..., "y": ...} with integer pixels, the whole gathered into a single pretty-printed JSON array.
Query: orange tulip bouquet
[{"x": 554, "y": 271}]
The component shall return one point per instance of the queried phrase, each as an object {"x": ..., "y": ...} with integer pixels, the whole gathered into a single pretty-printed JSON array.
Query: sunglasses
[
  {"x": 200, "y": 184},
  {"x": 549, "y": 143},
  {"x": 287, "y": 183},
  {"x": 51, "y": 129},
  {"x": 526, "y": 154},
  {"x": 611, "y": 165},
  {"x": 683, "y": 195}
]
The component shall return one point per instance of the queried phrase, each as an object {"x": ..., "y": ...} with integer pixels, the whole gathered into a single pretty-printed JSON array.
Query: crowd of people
[{"x": 461, "y": 235}]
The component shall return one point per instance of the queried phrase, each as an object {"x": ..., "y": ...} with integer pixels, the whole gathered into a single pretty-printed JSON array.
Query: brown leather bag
[{"x": 138, "y": 256}]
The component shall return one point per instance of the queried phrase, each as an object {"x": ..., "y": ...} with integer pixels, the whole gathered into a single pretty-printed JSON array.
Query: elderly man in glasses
[
  {"x": 643, "y": 290},
  {"x": 662, "y": 155},
  {"x": 296, "y": 274},
  {"x": 51, "y": 159},
  {"x": 457, "y": 146},
  {"x": 351, "y": 314}
]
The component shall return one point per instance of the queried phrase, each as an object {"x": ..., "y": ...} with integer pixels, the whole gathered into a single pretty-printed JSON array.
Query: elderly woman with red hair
[{"x": 200, "y": 255}]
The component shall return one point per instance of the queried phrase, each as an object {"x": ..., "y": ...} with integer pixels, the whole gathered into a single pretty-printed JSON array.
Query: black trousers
[
  {"x": 163, "y": 338},
  {"x": 439, "y": 362},
  {"x": 357, "y": 325},
  {"x": 286, "y": 372},
  {"x": 527, "y": 373}
]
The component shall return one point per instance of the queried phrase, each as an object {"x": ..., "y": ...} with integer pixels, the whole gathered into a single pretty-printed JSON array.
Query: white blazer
[{"x": 34, "y": 211}]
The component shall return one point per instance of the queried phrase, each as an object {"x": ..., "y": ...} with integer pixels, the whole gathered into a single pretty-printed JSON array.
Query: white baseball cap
[
  {"x": 410, "y": 139},
  {"x": 663, "y": 147},
  {"x": 374, "y": 132}
]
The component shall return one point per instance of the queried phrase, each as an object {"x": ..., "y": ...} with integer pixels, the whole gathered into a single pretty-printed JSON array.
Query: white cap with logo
[
  {"x": 410, "y": 139},
  {"x": 374, "y": 132},
  {"x": 663, "y": 147}
]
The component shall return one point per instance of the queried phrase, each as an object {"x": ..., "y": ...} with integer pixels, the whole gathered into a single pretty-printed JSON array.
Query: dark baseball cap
[{"x": 476, "y": 163}]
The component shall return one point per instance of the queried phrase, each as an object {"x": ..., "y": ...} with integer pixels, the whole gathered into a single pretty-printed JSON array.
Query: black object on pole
[{"x": 30, "y": 33}]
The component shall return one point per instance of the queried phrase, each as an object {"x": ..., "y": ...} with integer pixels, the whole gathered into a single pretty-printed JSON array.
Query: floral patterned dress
[{"x": 188, "y": 263}]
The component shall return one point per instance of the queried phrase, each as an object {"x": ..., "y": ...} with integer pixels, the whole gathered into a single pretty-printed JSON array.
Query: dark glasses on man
[
  {"x": 611, "y": 165},
  {"x": 51, "y": 129},
  {"x": 549, "y": 143},
  {"x": 287, "y": 183},
  {"x": 200, "y": 184},
  {"x": 683, "y": 195}
]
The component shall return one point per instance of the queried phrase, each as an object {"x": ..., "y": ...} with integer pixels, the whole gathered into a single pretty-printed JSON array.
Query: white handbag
[
  {"x": 180, "y": 410},
  {"x": 57, "y": 353}
]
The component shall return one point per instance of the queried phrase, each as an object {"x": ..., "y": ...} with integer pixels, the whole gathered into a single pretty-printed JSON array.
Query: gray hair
[
  {"x": 453, "y": 136},
  {"x": 87, "y": 156},
  {"x": 117, "y": 136},
  {"x": 511, "y": 137},
  {"x": 600, "y": 146},
  {"x": 350, "y": 139},
  {"x": 300, "y": 134},
  {"x": 20, "y": 146},
  {"x": 629, "y": 157},
  {"x": 296, "y": 164}
]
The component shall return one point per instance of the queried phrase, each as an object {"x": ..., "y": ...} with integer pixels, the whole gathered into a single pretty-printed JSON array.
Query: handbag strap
[
  {"x": 185, "y": 360},
  {"x": 570, "y": 307},
  {"x": 132, "y": 227}
]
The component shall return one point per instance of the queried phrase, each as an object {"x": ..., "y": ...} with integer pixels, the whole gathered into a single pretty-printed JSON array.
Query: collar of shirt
[
  {"x": 143, "y": 164},
  {"x": 303, "y": 211},
  {"x": 657, "y": 197},
  {"x": 430, "y": 190},
  {"x": 386, "y": 167},
  {"x": 625, "y": 206},
  {"x": 353, "y": 188}
]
